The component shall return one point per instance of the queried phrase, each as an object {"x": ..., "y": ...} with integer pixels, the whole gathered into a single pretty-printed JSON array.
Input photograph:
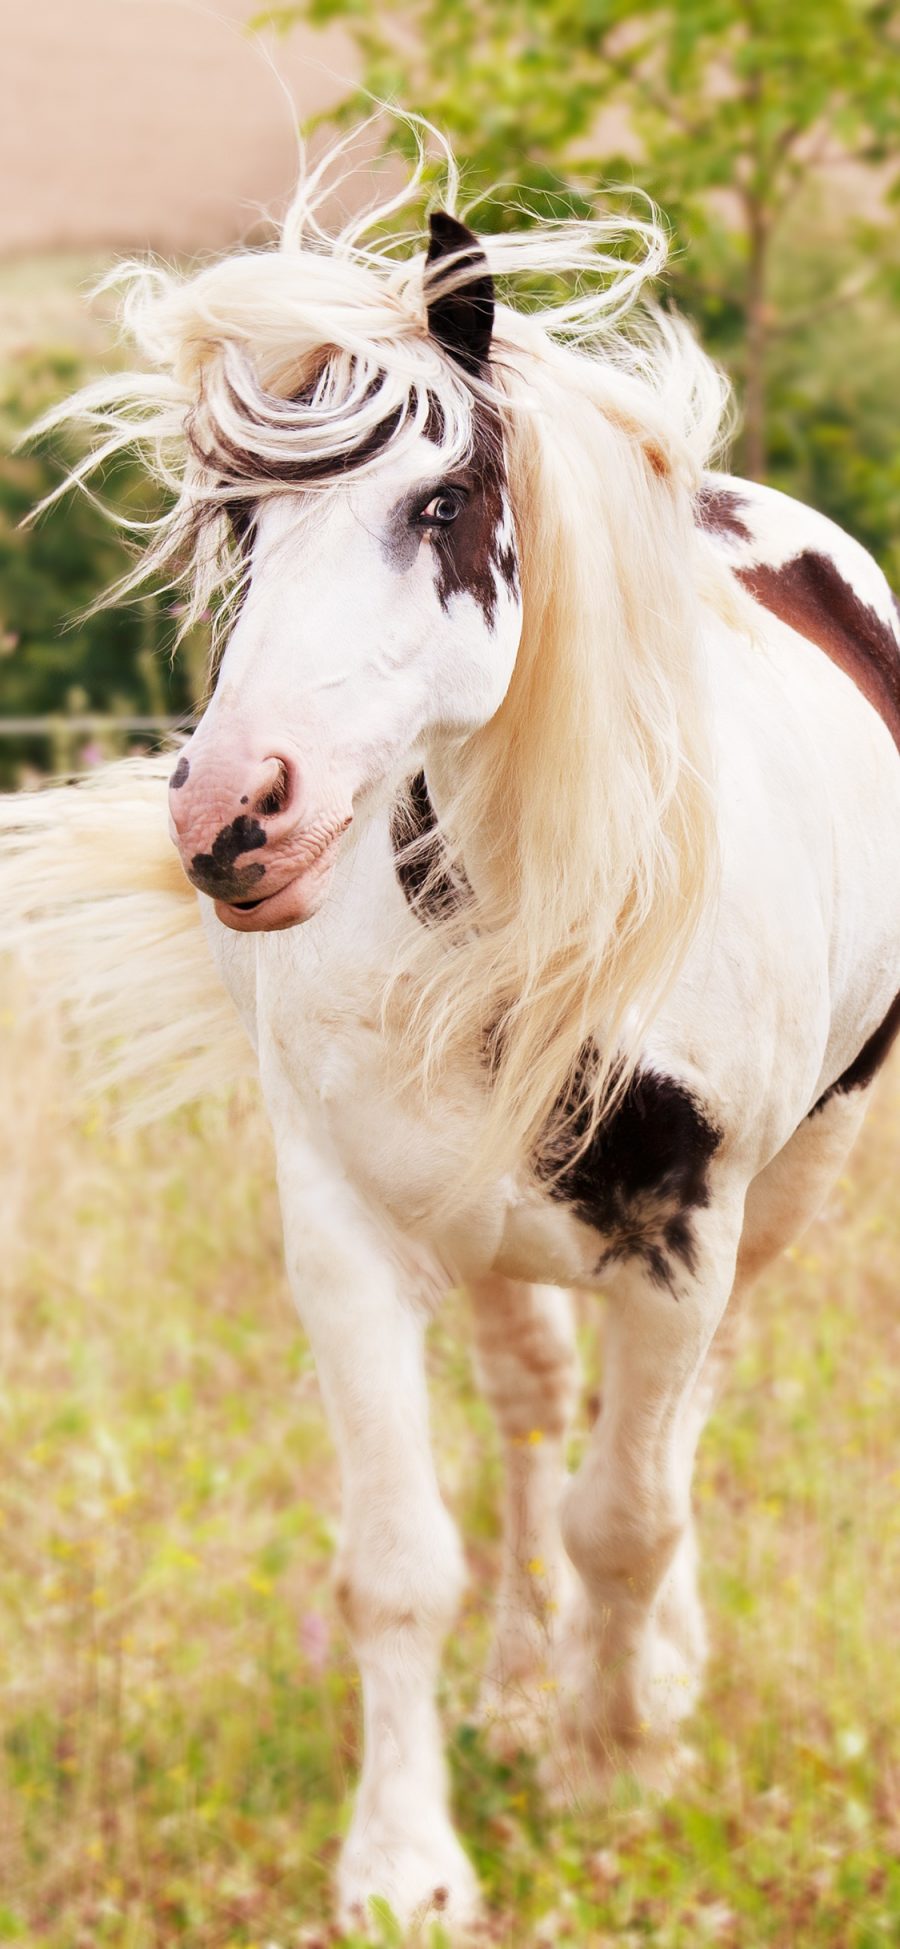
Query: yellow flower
[{"x": 259, "y": 1583}]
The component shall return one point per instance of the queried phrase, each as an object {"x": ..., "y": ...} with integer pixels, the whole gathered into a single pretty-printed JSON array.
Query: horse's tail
[{"x": 98, "y": 913}]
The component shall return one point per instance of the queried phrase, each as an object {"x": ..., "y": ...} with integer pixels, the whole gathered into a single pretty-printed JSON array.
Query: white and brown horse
[{"x": 542, "y": 820}]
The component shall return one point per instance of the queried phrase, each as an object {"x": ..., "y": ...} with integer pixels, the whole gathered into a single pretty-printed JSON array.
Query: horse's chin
[{"x": 289, "y": 906}]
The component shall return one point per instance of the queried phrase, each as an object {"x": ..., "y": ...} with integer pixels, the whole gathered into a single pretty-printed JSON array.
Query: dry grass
[{"x": 179, "y": 1713}]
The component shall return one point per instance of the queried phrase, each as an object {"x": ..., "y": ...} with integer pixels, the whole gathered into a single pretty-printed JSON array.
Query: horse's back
[
  {"x": 807, "y": 712},
  {"x": 814, "y": 577}
]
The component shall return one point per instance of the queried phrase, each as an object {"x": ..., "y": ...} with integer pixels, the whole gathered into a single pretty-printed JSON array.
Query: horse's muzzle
[{"x": 246, "y": 838}]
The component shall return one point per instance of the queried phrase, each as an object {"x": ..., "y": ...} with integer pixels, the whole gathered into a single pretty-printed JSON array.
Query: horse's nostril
[{"x": 274, "y": 796}]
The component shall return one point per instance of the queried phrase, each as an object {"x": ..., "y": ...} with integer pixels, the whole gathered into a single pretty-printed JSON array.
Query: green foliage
[
  {"x": 50, "y": 660},
  {"x": 768, "y": 135},
  {"x": 751, "y": 123}
]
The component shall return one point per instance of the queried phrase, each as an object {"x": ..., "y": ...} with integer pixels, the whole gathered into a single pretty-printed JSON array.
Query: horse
[{"x": 533, "y": 839}]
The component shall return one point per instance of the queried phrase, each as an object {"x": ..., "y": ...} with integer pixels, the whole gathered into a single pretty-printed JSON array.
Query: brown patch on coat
[
  {"x": 469, "y": 555},
  {"x": 718, "y": 512},
  {"x": 812, "y": 597}
]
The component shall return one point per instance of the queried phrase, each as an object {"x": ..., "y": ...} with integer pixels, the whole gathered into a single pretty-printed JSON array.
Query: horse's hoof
[
  {"x": 423, "y": 1879},
  {"x": 578, "y": 1775},
  {"x": 517, "y": 1715}
]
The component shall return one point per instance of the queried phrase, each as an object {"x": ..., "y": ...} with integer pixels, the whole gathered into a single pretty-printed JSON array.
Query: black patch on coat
[
  {"x": 215, "y": 872},
  {"x": 642, "y": 1175},
  {"x": 718, "y": 512},
  {"x": 420, "y": 857},
  {"x": 864, "y": 1068},
  {"x": 180, "y": 775},
  {"x": 460, "y": 313},
  {"x": 811, "y": 596}
]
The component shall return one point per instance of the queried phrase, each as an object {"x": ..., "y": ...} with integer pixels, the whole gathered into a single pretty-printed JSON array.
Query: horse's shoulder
[{"x": 804, "y": 569}]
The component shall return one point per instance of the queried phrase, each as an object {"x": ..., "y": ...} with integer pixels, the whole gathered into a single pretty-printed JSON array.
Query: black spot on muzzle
[{"x": 215, "y": 872}]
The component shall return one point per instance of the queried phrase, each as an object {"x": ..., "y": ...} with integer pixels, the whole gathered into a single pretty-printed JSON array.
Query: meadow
[
  {"x": 178, "y": 1705},
  {"x": 179, "y": 1708}
]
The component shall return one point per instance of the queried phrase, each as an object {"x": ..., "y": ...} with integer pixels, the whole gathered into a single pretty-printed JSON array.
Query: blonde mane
[{"x": 581, "y": 815}]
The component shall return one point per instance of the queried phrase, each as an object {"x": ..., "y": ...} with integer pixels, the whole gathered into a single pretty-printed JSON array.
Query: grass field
[{"x": 179, "y": 1706}]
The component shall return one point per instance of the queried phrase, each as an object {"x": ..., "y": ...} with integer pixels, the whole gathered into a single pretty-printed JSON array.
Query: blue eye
[{"x": 441, "y": 510}]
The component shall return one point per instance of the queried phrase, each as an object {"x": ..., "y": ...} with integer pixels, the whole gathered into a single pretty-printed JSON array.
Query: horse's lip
[
  {"x": 309, "y": 865},
  {"x": 310, "y": 870}
]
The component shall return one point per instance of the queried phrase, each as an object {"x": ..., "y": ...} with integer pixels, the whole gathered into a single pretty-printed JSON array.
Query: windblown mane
[{"x": 581, "y": 816}]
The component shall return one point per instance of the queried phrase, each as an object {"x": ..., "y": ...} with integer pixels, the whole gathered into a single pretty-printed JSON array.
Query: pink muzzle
[{"x": 247, "y": 836}]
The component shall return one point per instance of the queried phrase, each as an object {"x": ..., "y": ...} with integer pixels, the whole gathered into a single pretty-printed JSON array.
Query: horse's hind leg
[
  {"x": 780, "y": 1203},
  {"x": 631, "y": 1659},
  {"x": 635, "y": 1650},
  {"x": 786, "y": 1196},
  {"x": 528, "y": 1370}
]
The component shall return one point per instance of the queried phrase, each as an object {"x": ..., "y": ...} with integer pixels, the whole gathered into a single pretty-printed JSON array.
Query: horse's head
[{"x": 376, "y": 615}]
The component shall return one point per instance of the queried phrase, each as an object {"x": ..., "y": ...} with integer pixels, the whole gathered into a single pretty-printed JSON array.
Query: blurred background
[
  {"x": 767, "y": 134},
  {"x": 125, "y": 126},
  {"x": 178, "y": 1713}
]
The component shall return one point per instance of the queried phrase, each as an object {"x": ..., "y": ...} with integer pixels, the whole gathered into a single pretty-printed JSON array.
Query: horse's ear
[{"x": 460, "y": 318}]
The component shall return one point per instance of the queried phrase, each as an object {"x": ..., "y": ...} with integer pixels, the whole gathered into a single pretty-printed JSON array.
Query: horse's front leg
[
  {"x": 632, "y": 1663},
  {"x": 399, "y": 1571}
]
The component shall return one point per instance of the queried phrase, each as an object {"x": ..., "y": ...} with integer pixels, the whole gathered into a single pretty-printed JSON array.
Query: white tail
[{"x": 97, "y": 910}]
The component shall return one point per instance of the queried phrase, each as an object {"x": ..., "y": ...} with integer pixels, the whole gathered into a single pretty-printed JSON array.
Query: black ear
[{"x": 461, "y": 319}]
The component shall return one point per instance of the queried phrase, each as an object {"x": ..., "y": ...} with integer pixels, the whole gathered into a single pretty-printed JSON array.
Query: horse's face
[
  {"x": 387, "y": 614},
  {"x": 377, "y": 615}
]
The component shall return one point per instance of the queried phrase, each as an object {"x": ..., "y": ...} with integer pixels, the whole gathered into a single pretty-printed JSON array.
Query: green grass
[{"x": 179, "y": 1711}]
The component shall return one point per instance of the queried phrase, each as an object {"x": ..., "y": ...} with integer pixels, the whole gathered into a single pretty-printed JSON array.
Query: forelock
[{"x": 338, "y": 420}]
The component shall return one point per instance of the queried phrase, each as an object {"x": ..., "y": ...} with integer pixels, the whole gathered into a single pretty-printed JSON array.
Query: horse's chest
[
  {"x": 403, "y": 1156},
  {"x": 632, "y": 1193}
]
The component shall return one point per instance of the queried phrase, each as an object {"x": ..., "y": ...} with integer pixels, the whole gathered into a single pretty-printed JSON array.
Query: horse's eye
[{"x": 442, "y": 509}]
